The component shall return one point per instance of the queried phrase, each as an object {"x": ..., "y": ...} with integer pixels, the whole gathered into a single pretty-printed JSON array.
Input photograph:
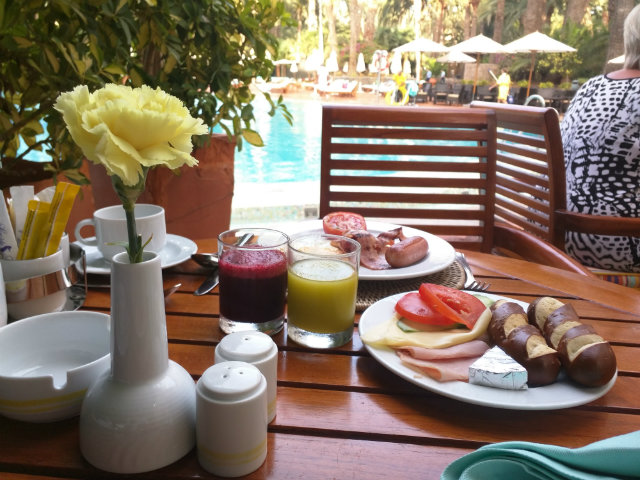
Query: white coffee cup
[{"x": 110, "y": 226}]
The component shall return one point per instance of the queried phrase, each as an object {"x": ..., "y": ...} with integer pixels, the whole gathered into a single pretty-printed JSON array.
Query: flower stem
[
  {"x": 128, "y": 195},
  {"x": 135, "y": 240}
]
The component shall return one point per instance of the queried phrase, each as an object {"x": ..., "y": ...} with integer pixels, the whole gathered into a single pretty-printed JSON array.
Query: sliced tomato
[
  {"x": 413, "y": 307},
  {"x": 339, "y": 223},
  {"x": 457, "y": 306}
]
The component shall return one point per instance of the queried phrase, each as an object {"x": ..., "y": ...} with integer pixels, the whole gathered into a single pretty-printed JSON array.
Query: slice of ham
[
  {"x": 474, "y": 348},
  {"x": 443, "y": 364},
  {"x": 371, "y": 249}
]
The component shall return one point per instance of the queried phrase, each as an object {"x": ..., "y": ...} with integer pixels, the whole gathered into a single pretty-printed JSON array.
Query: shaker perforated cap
[
  {"x": 231, "y": 382},
  {"x": 250, "y": 346}
]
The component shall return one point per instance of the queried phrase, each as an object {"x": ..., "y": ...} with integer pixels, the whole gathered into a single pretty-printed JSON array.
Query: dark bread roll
[
  {"x": 558, "y": 323},
  {"x": 505, "y": 317},
  {"x": 510, "y": 330},
  {"x": 540, "y": 309},
  {"x": 527, "y": 346},
  {"x": 588, "y": 359}
]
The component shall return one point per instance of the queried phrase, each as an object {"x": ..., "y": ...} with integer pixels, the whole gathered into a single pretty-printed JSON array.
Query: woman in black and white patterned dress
[{"x": 601, "y": 141}]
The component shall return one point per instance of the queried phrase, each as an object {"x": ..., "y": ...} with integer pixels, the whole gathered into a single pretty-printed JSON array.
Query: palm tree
[
  {"x": 618, "y": 11},
  {"x": 575, "y": 12},
  {"x": 534, "y": 16}
]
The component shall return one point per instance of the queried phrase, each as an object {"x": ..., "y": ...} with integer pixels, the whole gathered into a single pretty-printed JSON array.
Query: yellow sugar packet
[
  {"x": 61, "y": 205},
  {"x": 36, "y": 230}
]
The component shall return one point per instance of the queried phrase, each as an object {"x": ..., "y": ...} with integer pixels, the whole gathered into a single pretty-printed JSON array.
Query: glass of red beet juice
[{"x": 253, "y": 280}]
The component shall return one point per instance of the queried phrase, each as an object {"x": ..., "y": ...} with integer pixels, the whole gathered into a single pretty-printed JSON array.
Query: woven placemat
[{"x": 370, "y": 291}]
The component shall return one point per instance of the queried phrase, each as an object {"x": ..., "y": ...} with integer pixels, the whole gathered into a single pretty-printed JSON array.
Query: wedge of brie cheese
[{"x": 497, "y": 369}]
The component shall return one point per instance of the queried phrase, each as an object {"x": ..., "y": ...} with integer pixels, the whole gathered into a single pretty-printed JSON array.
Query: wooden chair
[
  {"x": 531, "y": 181},
  {"x": 530, "y": 177},
  {"x": 427, "y": 168}
]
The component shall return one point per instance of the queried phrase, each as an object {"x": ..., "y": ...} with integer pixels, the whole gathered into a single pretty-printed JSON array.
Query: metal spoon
[
  {"x": 205, "y": 259},
  {"x": 212, "y": 280}
]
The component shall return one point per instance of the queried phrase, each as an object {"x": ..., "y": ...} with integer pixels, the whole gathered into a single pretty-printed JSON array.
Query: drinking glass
[
  {"x": 253, "y": 280},
  {"x": 323, "y": 285}
]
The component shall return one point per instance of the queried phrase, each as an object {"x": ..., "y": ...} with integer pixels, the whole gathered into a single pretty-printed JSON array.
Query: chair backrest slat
[
  {"x": 530, "y": 178},
  {"x": 427, "y": 168}
]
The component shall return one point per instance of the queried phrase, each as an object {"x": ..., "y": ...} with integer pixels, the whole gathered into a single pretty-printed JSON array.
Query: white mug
[{"x": 110, "y": 226}]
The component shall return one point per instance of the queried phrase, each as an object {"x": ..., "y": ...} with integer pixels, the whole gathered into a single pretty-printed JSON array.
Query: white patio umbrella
[
  {"x": 619, "y": 59},
  {"x": 332, "y": 63},
  {"x": 406, "y": 67},
  {"x": 282, "y": 63},
  {"x": 479, "y": 45},
  {"x": 361, "y": 67},
  {"x": 455, "y": 56},
  {"x": 345, "y": 67},
  {"x": 314, "y": 61},
  {"x": 396, "y": 64},
  {"x": 537, "y": 42},
  {"x": 421, "y": 45}
]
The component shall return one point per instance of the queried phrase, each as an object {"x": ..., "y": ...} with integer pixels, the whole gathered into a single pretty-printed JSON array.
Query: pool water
[{"x": 291, "y": 153}]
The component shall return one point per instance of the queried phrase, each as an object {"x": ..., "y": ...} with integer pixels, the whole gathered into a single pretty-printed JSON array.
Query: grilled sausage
[{"x": 407, "y": 252}]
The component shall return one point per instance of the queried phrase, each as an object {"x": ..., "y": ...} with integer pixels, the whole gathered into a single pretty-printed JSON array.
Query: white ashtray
[{"x": 47, "y": 362}]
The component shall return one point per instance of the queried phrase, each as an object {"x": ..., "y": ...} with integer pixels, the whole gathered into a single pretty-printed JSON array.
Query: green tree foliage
[{"x": 205, "y": 52}]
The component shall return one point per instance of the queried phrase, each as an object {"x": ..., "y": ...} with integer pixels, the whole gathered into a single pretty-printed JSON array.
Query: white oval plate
[
  {"x": 177, "y": 250},
  {"x": 441, "y": 254},
  {"x": 561, "y": 394}
]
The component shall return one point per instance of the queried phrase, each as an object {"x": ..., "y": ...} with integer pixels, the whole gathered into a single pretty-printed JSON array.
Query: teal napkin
[{"x": 613, "y": 458}]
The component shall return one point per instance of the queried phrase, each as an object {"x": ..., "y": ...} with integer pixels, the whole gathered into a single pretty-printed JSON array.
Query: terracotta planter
[{"x": 197, "y": 201}]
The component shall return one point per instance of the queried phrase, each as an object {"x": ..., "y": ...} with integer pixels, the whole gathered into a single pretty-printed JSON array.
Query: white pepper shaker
[
  {"x": 258, "y": 349},
  {"x": 231, "y": 419}
]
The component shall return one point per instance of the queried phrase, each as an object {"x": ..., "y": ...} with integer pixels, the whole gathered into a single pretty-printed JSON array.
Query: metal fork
[{"x": 470, "y": 282}]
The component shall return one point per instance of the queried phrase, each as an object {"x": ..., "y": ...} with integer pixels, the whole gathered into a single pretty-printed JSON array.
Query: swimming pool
[{"x": 291, "y": 153}]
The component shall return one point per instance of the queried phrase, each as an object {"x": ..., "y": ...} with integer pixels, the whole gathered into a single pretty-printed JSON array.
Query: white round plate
[
  {"x": 441, "y": 254},
  {"x": 561, "y": 394},
  {"x": 177, "y": 250}
]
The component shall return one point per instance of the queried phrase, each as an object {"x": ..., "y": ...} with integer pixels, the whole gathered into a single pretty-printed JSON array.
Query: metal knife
[
  {"x": 212, "y": 280},
  {"x": 209, "y": 284}
]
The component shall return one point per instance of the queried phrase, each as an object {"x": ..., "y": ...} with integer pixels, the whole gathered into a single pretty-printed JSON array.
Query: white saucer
[{"x": 177, "y": 250}]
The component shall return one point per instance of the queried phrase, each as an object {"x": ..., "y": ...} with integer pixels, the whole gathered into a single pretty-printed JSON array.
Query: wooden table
[{"x": 343, "y": 415}]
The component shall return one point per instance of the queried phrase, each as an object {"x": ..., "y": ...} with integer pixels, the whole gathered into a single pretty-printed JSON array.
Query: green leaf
[
  {"x": 23, "y": 42},
  {"x": 252, "y": 137},
  {"x": 115, "y": 69},
  {"x": 53, "y": 60}
]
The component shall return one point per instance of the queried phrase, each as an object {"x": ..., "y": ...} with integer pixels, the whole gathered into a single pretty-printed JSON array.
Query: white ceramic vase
[{"x": 139, "y": 415}]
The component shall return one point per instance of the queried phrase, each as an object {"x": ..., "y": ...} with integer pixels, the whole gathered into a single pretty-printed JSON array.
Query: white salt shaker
[
  {"x": 231, "y": 419},
  {"x": 258, "y": 349}
]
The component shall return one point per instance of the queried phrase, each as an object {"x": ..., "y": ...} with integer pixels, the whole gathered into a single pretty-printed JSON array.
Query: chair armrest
[
  {"x": 514, "y": 242},
  {"x": 598, "y": 224}
]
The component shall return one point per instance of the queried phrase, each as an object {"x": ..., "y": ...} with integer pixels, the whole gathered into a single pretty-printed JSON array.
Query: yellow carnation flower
[{"x": 126, "y": 129}]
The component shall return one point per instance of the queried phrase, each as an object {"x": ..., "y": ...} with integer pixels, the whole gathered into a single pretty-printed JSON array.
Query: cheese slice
[{"x": 388, "y": 334}]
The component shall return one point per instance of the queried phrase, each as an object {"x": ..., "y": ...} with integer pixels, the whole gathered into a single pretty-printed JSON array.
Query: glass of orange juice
[{"x": 322, "y": 289}]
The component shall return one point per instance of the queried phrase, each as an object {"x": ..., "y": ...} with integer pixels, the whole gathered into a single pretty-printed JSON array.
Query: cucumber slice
[
  {"x": 484, "y": 299},
  {"x": 406, "y": 328}
]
